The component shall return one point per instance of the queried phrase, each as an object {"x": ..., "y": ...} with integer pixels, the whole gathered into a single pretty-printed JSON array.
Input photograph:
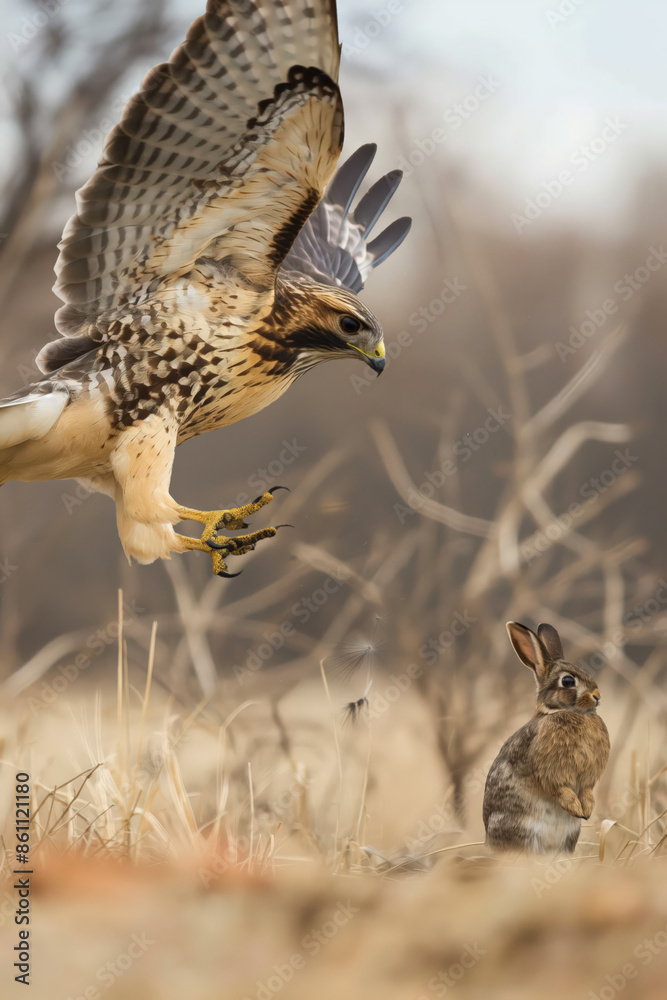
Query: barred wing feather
[
  {"x": 334, "y": 245},
  {"x": 223, "y": 153}
]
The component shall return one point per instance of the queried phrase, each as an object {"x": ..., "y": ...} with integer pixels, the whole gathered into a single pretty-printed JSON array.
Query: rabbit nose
[{"x": 598, "y": 697}]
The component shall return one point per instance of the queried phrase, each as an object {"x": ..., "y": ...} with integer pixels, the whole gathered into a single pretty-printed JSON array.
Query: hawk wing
[
  {"x": 333, "y": 245},
  {"x": 224, "y": 153}
]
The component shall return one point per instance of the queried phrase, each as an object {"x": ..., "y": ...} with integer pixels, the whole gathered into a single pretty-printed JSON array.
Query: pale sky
[
  {"x": 577, "y": 85},
  {"x": 564, "y": 70}
]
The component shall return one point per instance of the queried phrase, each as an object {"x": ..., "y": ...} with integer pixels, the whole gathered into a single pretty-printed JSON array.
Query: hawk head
[{"x": 322, "y": 322}]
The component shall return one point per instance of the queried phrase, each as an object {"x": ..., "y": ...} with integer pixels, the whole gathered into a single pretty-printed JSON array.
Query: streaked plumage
[{"x": 203, "y": 270}]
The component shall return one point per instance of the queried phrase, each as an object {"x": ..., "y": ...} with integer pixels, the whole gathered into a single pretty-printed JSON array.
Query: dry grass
[
  {"x": 236, "y": 840},
  {"x": 229, "y": 807},
  {"x": 272, "y": 781}
]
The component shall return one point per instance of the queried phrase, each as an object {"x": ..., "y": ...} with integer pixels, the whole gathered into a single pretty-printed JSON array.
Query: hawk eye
[
  {"x": 349, "y": 324},
  {"x": 567, "y": 681}
]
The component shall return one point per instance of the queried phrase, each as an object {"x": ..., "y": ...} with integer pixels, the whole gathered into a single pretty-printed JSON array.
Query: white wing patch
[{"x": 30, "y": 417}]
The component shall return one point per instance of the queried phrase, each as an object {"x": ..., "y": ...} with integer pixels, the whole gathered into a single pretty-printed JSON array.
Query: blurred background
[
  {"x": 532, "y": 137},
  {"x": 509, "y": 464}
]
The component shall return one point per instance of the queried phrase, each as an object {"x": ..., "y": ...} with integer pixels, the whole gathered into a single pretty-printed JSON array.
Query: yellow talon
[{"x": 219, "y": 546}]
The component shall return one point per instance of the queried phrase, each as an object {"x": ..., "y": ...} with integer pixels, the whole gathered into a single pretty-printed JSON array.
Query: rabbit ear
[
  {"x": 550, "y": 639},
  {"x": 528, "y": 648}
]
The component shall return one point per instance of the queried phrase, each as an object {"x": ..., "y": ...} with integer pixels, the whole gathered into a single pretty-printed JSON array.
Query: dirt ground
[{"x": 470, "y": 927}]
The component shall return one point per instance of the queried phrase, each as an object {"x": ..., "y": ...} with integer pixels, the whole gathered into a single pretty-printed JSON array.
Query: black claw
[
  {"x": 214, "y": 545},
  {"x": 276, "y": 526},
  {"x": 228, "y": 576},
  {"x": 272, "y": 490}
]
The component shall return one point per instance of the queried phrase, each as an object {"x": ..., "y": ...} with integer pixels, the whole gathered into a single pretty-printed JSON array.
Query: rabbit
[{"x": 540, "y": 786}]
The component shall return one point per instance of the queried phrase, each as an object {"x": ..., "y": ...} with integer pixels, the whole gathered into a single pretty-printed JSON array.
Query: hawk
[{"x": 207, "y": 267}]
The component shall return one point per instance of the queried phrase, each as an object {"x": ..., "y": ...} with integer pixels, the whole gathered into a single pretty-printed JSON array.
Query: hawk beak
[{"x": 376, "y": 360}]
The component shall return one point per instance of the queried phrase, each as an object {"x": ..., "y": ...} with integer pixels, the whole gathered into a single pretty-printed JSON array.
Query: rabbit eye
[{"x": 567, "y": 681}]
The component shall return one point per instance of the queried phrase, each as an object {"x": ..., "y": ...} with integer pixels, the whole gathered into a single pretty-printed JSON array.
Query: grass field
[{"x": 276, "y": 845}]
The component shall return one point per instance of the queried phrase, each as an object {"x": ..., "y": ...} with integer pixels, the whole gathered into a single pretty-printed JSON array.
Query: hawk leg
[{"x": 219, "y": 546}]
